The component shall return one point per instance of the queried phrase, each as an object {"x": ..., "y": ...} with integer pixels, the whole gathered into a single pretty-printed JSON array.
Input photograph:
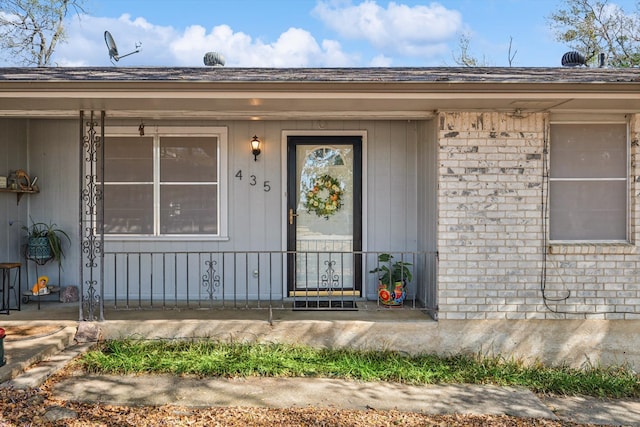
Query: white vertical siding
[
  {"x": 53, "y": 157},
  {"x": 13, "y": 155},
  {"x": 427, "y": 211},
  {"x": 392, "y": 178}
]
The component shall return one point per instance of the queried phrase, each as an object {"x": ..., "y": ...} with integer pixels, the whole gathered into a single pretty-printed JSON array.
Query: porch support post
[{"x": 91, "y": 217}]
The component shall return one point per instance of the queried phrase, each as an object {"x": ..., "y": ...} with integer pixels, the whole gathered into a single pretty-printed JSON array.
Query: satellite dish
[
  {"x": 113, "y": 49},
  {"x": 213, "y": 59}
]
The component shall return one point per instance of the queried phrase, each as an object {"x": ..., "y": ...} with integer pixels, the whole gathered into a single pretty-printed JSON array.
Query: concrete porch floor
[
  {"x": 577, "y": 343},
  {"x": 366, "y": 311}
]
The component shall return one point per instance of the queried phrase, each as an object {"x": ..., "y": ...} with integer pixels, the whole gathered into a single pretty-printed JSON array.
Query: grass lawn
[{"x": 210, "y": 358}]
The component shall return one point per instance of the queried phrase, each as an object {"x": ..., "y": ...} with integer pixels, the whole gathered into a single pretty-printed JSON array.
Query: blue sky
[{"x": 314, "y": 33}]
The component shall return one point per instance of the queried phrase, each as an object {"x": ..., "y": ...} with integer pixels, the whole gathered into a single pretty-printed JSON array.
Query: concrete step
[
  {"x": 36, "y": 375},
  {"x": 21, "y": 354}
]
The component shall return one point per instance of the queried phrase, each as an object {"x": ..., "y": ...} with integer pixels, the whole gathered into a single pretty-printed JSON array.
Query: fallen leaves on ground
[{"x": 36, "y": 407}]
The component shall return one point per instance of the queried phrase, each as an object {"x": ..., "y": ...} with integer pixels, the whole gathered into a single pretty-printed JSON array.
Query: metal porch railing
[{"x": 257, "y": 280}]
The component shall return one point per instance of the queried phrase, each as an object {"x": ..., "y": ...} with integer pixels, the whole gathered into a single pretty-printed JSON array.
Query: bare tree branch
[
  {"x": 30, "y": 30},
  {"x": 511, "y": 56},
  {"x": 464, "y": 58}
]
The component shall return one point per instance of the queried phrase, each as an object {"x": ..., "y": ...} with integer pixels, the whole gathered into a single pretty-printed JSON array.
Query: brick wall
[{"x": 491, "y": 230}]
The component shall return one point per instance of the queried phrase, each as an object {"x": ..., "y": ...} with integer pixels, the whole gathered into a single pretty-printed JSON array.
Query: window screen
[
  {"x": 188, "y": 185},
  {"x": 128, "y": 191},
  {"x": 588, "y": 182},
  {"x": 161, "y": 185}
]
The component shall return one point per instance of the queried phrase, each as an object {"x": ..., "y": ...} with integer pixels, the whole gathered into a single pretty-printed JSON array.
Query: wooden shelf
[{"x": 18, "y": 193}]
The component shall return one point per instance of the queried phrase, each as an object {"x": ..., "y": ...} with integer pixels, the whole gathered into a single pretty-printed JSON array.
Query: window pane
[
  {"x": 588, "y": 151},
  {"x": 128, "y": 159},
  {"x": 188, "y": 159},
  {"x": 583, "y": 210},
  {"x": 128, "y": 209},
  {"x": 188, "y": 209}
]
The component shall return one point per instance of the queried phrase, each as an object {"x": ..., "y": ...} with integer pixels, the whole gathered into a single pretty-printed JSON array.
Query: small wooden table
[{"x": 6, "y": 268}]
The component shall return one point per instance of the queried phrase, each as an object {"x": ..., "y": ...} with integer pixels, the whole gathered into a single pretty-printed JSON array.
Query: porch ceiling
[{"x": 312, "y": 93}]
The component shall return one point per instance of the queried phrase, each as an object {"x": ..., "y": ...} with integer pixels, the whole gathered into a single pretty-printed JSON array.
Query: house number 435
[{"x": 253, "y": 181}]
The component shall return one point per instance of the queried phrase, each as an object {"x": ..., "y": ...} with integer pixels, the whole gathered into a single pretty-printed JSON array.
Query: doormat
[{"x": 325, "y": 305}]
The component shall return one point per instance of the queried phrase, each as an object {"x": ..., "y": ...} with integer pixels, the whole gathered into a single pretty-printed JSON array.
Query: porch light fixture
[
  {"x": 255, "y": 148},
  {"x": 141, "y": 129}
]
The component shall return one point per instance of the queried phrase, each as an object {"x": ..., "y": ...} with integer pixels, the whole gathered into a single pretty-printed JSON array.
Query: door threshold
[{"x": 329, "y": 294}]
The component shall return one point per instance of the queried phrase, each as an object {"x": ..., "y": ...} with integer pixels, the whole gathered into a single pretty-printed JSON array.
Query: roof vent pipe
[
  {"x": 601, "y": 60},
  {"x": 573, "y": 59}
]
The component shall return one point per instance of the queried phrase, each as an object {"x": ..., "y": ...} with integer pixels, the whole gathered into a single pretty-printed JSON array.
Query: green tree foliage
[
  {"x": 592, "y": 27},
  {"x": 31, "y": 29}
]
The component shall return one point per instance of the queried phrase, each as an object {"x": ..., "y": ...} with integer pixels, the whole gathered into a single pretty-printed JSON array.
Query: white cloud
[
  {"x": 293, "y": 48},
  {"x": 333, "y": 56},
  {"x": 398, "y": 29},
  {"x": 85, "y": 44},
  {"x": 166, "y": 46},
  {"x": 381, "y": 61},
  {"x": 398, "y": 34}
]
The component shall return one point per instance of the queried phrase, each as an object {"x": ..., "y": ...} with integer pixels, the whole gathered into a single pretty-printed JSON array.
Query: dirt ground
[{"x": 35, "y": 407}]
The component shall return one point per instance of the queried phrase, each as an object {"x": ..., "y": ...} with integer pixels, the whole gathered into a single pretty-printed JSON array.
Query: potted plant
[
  {"x": 392, "y": 280},
  {"x": 45, "y": 242}
]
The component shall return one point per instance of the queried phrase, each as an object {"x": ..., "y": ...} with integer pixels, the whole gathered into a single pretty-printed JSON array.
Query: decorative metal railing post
[
  {"x": 91, "y": 218},
  {"x": 330, "y": 280},
  {"x": 211, "y": 280}
]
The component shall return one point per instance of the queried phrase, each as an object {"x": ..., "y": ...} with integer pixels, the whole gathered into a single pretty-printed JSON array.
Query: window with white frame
[
  {"x": 588, "y": 182},
  {"x": 165, "y": 183}
]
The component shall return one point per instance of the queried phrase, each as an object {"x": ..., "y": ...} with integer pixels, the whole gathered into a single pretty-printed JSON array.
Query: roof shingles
[{"x": 291, "y": 75}]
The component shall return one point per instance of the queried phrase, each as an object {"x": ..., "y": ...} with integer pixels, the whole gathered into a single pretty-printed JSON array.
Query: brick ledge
[{"x": 592, "y": 249}]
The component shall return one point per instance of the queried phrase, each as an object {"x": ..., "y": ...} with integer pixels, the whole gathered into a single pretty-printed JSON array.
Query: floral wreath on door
[{"x": 325, "y": 197}]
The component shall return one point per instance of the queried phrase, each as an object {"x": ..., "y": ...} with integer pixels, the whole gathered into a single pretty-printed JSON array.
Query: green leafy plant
[
  {"x": 53, "y": 235},
  {"x": 390, "y": 272}
]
